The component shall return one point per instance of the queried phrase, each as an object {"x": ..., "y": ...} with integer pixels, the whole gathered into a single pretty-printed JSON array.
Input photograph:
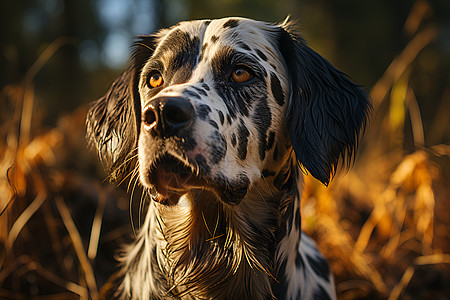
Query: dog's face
[
  {"x": 213, "y": 97},
  {"x": 217, "y": 104}
]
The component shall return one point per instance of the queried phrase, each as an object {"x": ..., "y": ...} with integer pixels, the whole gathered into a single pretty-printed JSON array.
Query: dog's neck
[{"x": 203, "y": 248}]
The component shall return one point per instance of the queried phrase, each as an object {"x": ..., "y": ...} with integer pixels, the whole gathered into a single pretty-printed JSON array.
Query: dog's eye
[
  {"x": 241, "y": 74},
  {"x": 155, "y": 80}
]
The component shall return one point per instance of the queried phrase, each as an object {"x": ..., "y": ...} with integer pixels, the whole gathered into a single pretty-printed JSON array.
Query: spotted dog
[{"x": 220, "y": 117}]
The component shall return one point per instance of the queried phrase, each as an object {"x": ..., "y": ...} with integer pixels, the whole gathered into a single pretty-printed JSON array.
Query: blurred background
[{"x": 384, "y": 225}]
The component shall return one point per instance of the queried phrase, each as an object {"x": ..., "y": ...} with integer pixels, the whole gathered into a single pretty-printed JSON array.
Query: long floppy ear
[
  {"x": 326, "y": 111},
  {"x": 113, "y": 121}
]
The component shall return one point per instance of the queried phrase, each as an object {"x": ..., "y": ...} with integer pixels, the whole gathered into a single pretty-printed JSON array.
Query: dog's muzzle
[{"x": 168, "y": 116}]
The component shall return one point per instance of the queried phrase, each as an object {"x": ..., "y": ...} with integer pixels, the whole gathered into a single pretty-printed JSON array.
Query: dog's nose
[{"x": 168, "y": 116}]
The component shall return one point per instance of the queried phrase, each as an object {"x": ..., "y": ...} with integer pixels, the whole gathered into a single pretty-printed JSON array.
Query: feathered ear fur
[
  {"x": 113, "y": 121},
  {"x": 326, "y": 111}
]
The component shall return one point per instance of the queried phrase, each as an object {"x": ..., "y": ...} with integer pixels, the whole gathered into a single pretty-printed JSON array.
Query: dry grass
[
  {"x": 387, "y": 220},
  {"x": 384, "y": 226}
]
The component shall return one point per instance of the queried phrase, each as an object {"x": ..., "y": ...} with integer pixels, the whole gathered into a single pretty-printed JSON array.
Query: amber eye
[
  {"x": 155, "y": 80},
  {"x": 241, "y": 74}
]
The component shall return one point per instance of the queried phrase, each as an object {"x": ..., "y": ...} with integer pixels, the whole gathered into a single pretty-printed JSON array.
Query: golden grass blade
[
  {"x": 401, "y": 63},
  {"x": 342, "y": 242},
  {"x": 397, "y": 106},
  {"x": 433, "y": 259},
  {"x": 419, "y": 11},
  {"x": 22, "y": 220},
  {"x": 398, "y": 289},
  {"x": 394, "y": 243},
  {"x": 424, "y": 214},
  {"x": 28, "y": 98},
  {"x": 78, "y": 245},
  {"x": 416, "y": 118},
  {"x": 50, "y": 276},
  {"x": 366, "y": 231},
  {"x": 96, "y": 226},
  {"x": 409, "y": 272},
  {"x": 27, "y": 113}
]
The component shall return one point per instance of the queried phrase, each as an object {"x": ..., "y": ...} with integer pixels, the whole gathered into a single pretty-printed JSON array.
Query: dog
[{"x": 222, "y": 118}]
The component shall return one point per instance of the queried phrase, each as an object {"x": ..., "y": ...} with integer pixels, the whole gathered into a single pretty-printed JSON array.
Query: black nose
[{"x": 168, "y": 116}]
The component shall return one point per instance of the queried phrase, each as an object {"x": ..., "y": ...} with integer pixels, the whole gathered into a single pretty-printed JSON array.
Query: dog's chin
[{"x": 169, "y": 179}]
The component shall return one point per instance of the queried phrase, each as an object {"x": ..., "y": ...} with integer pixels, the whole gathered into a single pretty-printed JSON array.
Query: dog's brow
[{"x": 178, "y": 50}]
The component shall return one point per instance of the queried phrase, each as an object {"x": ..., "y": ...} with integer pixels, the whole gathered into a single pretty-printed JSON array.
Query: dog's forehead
[
  {"x": 232, "y": 30},
  {"x": 242, "y": 33}
]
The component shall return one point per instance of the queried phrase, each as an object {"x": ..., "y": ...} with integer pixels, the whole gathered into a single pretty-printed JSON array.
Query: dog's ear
[
  {"x": 113, "y": 121},
  {"x": 326, "y": 111}
]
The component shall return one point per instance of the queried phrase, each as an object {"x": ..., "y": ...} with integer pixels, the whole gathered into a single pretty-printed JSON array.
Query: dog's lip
[{"x": 172, "y": 178}]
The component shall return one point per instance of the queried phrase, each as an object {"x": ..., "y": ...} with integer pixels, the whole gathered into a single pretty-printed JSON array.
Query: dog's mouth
[{"x": 171, "y": 178}]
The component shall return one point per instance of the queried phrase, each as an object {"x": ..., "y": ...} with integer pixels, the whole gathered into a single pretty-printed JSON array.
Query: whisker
[
  {"x": 134, "y": 176},
  {"x": 141, "y": 206},
  {"x": 131, "y": 207},
  {"x": 204, "y": 220},
  {"x": 267, "y": 184},
  {"x": 262, "y": 197},
  {"x": 110, "y": 176},
  {"x": 217, "y": 221},
  {"x": 215, "y": 237},
  {"x": 128, "y": 175}
]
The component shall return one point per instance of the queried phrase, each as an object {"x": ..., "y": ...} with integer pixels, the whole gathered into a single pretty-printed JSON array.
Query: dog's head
[{"x": 218, "y": 104}]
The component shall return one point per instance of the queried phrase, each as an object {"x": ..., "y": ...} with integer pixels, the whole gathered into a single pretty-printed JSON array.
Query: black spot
[
  {"x": 229, "y": 119},
  {"x": 231, "y": 23},
  {"x": 261, "y": 55},
  {"x": 281, "y": 286},
  {"x": 233, "y": 139},
  {"x": 190, "y": 142},
  {"x": 267, "y": 173},
  {"x": 214, "y": 38},
  {"x": 299, "y": 261},
  {"x": 264, "y": 72},
  {"x": 289, "y": 212},
  {"x": 274, "y": 67},
  {"x": 243, "y": 134},
  {"x": 271, "y": 140},
  {"x": 203, "y": 111},
  {"x": 202, "y": 164},
  {"x": 191, "y": 94},
  {"x": 321, "y": 294},
  {"x": 320, "y": 266},
  {"x": 275, "y": 153},
  {"x": 205, "y": 86},
  {"x": 201, "y": 91},
  {"x": 207, "y": 22},
  {"x": 221, "y": 117},
  {"x": 244, "y": 46},
  {"x": 218, "y": 147},
  {"x": 277, "y": 91},
  {"x": 232, "y": 191},
  {"x": 202, "y": 52},
  {"x": 213, "y": 124},
  {"x": 298, "y": 219},
  {"x": 262, "y": 119}
]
